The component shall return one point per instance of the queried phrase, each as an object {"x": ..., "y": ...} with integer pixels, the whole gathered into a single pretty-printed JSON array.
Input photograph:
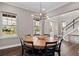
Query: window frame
[
  {"x": 34, "y": 26},
  {"x": 1, "y": 25}
]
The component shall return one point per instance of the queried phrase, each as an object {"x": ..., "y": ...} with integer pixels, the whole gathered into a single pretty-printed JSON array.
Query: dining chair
[
  {"x": 29, "y": 48},
  {"x": 36, "y": 35},
  {"x": 49, "y": 48},
  {"x": 28, "y": 35},
  {"x": 26, "y": 50},
  {"x": 48, "y": 35},
  {"x": 22, "y": 45},
  {"x": 38, "y": 51},
  {"x": 58, "y": 47}
]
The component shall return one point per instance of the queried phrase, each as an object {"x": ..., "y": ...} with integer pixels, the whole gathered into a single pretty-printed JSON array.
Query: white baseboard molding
[{"x": 9, "y": 46}]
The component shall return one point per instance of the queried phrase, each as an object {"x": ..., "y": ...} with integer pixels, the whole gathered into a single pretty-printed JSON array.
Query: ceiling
[
  {"x": 35, "y": 6},
  {"x": 68, "y": 17}
]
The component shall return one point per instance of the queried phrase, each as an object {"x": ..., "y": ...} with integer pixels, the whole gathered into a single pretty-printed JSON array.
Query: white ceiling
[
  {"x": 35, "y": 6},
  {"x": 68, "y": 17}
]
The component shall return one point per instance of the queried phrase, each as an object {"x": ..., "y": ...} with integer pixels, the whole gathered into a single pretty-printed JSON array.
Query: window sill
[{"x": 6, "y": 37}]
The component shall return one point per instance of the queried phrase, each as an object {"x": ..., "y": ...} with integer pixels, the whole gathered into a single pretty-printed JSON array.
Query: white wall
[
  {"x": 24, "y": 23},
  {"x": 24, "y": 18},
  {"x": 64, "y": 9},
  {"x": 74, "y": 39}
]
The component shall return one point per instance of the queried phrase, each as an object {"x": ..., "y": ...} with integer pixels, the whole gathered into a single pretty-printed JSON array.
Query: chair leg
[
  {"x": 22, "y": 52},
  {"x": 59, "y": 54},
  {"x": 53, "y": 53}
]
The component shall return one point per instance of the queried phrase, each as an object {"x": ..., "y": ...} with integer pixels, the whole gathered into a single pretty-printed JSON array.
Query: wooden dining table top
[{"x": 39, "y": 42}]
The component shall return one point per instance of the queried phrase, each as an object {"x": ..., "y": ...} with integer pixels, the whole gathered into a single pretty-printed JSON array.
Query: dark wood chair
[
  {"x": 58, "y": 47},
  {"x": 36, "y": 35},
  {"x": 29, "y": 48},
  {"x": 49, "y": 48},
  {"x": 28, "y": 35},
  {"x": 26, "y": 50},
  {"x": 48, "y": 35},
  {"x": 22, "y": 45}
]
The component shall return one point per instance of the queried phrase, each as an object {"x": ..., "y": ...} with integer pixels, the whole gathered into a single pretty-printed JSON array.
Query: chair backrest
[
  {"x": 36, "y": 34},
  {"x": 50, "y": 44},
  {"x": 59, "y": 43},
  {"x": 47, "y": 35},
  {"x": 21, "y": 40},
  {"x": 28, "y": 35},
  {"x": 23, "y": 43},
  {"x": 27, "y": 44}
]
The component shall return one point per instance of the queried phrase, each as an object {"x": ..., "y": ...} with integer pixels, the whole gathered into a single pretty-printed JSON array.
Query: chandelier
[{"x": 41, "y": 16}]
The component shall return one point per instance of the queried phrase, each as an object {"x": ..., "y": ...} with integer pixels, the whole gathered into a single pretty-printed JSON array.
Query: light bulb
[
  {"x": 51, "y": 23},
  {"x": 64, "y": 24},
  {"x": 32, "y": 15},
  {"x": 40, "y": 14},
  {"x": 48, "y": 18}
]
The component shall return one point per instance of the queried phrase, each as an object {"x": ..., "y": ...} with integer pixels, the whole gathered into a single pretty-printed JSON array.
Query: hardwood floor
[
  {"x": 15, "y": 51},
  {"x": 67, "y": 49}
]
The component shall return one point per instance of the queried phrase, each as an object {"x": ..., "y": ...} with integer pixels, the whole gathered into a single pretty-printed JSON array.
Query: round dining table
[{"x": 40, "y": 41}]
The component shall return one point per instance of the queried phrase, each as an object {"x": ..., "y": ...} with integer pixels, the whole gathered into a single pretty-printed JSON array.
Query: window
[
  {"x": 8, "y": 25},
  {"x": 53, "y": 27},
  {"x": 63, "y": 24},
  {"x": 36, "y": 27}
]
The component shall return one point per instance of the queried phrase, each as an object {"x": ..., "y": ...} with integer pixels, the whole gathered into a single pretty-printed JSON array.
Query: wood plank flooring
[
  {"x": 67, "y": 49},
  {"x": 15, "y": 51}
]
